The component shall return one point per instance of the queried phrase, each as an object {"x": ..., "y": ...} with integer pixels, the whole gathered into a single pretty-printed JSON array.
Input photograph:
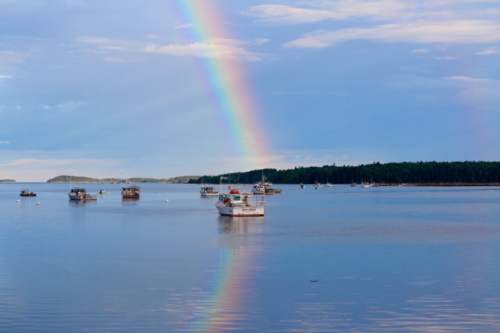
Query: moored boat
[
  {"x": 354, "y": 184},
  {"x": 80, "y": 194},
  {"x": 235, "y": 203},
  {"x": 26, "y": 193},
  {"x": 101, "y": 192},
  {"x": 301, "y": 186},
  {"x": 264, "y": 187},
  {"x": 131, "y": 192},
  {"x": 329, "y": 185},
  {"x": 207, "y": 191},
  {"x": 259, "y": 189}
]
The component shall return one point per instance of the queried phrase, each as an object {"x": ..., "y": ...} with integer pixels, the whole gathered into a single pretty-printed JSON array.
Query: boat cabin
[
  {"x": 130, "y": 191},
  {"x": 78, "y": 190}
]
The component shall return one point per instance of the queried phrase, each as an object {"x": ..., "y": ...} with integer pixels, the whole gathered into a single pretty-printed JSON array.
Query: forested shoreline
[{"x": 392, "y": 173}]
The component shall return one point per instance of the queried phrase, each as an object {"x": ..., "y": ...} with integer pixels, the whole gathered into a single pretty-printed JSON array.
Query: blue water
[{"x": 401, "y": 259}]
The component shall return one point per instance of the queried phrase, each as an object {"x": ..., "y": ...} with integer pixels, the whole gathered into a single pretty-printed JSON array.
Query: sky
[{"x": 189, "y": 87}]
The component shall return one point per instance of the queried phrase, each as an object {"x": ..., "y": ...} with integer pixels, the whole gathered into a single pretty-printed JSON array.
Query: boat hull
[
  {"x": 240, "y": 210},
  {"x": 209, "y": 194},
  {"x": 130, "y": 196},
  {"x": 85, "y": 197}
]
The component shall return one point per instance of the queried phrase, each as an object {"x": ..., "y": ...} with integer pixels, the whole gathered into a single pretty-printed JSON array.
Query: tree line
[{"x": 405, "y": 172}]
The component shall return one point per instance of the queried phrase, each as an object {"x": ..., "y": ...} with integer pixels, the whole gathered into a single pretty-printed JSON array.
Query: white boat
[
  {"x": 80, "y": 194},
  {"x": 259, "y": 189},
  {"x": 207, "y": 191},
  {"x": 264, "y": 187},
  {"x": 235, "y": 203},
  {"x": 316, "y": 184},
  {"x": 329, "y": 185},
  {"x": 366, "y": 185}
]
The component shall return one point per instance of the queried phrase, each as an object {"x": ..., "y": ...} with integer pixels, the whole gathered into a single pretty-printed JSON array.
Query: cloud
[
  {"x": 290, "y": 15},
  {"x": 489, "y": 51},
  {"x": 43, "y": 163},
  {"x": 329, "y": 10},
  {"x": 4, "y": 142},
  {"x": 70, "y": 106},
  {"x": 465, "y": 79},
  {"x": 203, "y": 50},
  {"x": 444, "y": 58},
  {"x": 261, "y": 41},
  {"x": 41, "y": 169},
  {"x": 9, "y": 58},
  {"x": 456, "y": 32},
  {"x": 419, "y": 51},
  {"x": 216, "y": 48},
  {"x": 183, "y": 26}
]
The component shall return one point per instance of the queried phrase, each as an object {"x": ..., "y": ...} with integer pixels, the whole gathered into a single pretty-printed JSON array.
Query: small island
[
  {"x": 80, "y": 179},
  {"x": 7, "y": 181}
]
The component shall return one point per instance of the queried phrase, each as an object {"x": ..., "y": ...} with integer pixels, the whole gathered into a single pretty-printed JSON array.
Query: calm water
[{"x": 385, "y": 260}]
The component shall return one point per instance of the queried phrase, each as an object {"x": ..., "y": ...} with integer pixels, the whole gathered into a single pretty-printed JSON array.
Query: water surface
[{"x": 399, "y": 259}]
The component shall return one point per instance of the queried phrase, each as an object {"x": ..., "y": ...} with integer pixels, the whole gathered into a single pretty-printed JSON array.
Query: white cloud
[
  {"x": 327, "y": 10},
  {"x": 9, "y": 58},
  {"x": 183, "y": 26},
  {"x": 419, "y": 51},
  {"x": 69, "y": 106},
  {"x": 36, "y": 169},
  {"x": 58, "y": 162},
  {"x": 261, "y": 41},
  {"x": 203, "y": 50},
  {"x": 465, "y": 79},
  {"x": 216, "y": 48},
  {"x": 444, "y": 58},
  {"x": 286, "y": 14},
  {"x": 489, "y": 51},
  {"x": 456, "y": 32}
]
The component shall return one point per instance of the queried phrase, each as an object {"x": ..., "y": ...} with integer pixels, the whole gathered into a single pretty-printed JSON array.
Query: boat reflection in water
[
  {"x": 129, "y": 199},
  {"x": 228, "y": 293},
  {"x": 241, "y": 225},
  {"x": 81, "y": 203}
]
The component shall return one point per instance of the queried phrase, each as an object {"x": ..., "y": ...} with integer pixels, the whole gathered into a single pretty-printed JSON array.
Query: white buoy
[
  {"x": 38, "y": 204},
  {"x": 167, "y": 200},
  {"x": 18, "y": 201}
]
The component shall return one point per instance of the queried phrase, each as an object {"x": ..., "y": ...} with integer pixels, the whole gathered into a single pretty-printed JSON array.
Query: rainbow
[
  {"x": 224, "y": 305},
  {"x": 226, "y": 76}
]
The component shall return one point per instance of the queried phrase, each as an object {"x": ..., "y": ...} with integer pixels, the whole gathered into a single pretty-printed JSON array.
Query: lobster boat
[
  {"x": 235, "y": 203},
  {"x": 80, "y": 194},
  {"x": 207, "y": 191},
  {"x": 131, "y": 192},
  {"x": 26, "y": 193}
]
